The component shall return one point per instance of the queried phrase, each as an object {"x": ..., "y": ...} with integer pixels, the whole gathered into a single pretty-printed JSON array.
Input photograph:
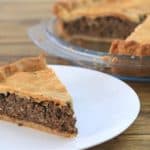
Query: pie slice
[
  {"x": 32, "y": 95},
  {"x": 137, "y": 43},
  {"x": 99, "y": 20}
]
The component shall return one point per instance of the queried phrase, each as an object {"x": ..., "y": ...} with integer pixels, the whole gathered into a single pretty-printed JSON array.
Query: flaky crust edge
[
  {"x": 131, "y": 48},
  {"x": 25, "y": 64}
]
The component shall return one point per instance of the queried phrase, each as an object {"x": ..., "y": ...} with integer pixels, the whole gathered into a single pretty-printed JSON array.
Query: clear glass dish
[{"x": 123, "y": 67}]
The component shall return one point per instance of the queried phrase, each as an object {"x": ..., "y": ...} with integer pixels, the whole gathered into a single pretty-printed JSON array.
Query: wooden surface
[{"x": 15, "y": 17}]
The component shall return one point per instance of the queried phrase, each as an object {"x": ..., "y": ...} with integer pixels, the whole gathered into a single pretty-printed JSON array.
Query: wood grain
[{"x": 16, "y": 17}]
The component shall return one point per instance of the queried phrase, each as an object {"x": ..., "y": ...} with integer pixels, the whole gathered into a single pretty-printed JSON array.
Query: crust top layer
[
  {"x": 131, "y": 48},
  {"x": 30, "y": 77},
  {"x": 126, "y": 9},
  {"x": 141, "y": 33}
]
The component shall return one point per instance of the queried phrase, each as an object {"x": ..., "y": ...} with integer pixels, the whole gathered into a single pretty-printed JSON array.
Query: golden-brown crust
[
  {"x": 131, "y": 48},
  {"x": 25, "y": 65},
  {"x": 37, "y": 126},
  {"x": 30, "y": 77},
  {"x": 125, "y": 9},
  {"x": 68, "y": 5},
  {"x": 141, "y": 34}
]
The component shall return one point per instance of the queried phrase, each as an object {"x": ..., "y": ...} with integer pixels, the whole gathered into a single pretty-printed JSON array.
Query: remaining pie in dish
[
  {"x": 99, "y": 20},
  {"x": 32, "y": 95},
  {"x": 136, "y": 44},
  {"x": 124, "y": 24}
]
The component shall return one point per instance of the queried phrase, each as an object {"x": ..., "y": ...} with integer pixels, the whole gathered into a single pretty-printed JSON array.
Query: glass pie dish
[{"x": 124, "y": 67}]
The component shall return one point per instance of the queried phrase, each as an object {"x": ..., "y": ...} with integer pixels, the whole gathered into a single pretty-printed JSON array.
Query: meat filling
[
  {"x": 104, "y": 27},
  {"x": 46, "y": 113}
]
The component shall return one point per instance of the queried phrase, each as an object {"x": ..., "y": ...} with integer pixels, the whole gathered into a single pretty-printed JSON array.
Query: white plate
[{"x": 104, "y": 107}]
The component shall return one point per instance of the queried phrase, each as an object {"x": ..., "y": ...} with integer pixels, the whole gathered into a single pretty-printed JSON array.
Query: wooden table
[{"x": 15, "y": 17}]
